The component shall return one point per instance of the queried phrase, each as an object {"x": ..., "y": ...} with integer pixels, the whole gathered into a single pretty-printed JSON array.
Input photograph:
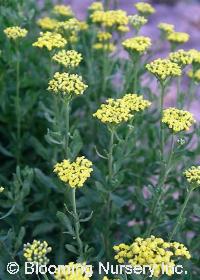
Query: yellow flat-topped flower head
[
  {"x": 70, "y": 59},
  {"x": 67, "y": 85},
  {"x": 134, "y": 102},
  {"x": 110, "y": 18},
  {"x": 96, "y": 6},
  {"x": 113, "y": 112},
  {"x": 152, "y": 251},
  {"x": 74, "y": 271},
  {"x": 103, "y": 36},
  {"x": 47, "y": 23},
  {"x": 15, "y": 32},
  {"x": 108, "y": 47},
  {"x": 74, "y": 173},
  {"x": 195, "y": 75},
  {"x": 181, "y": 57},
  {"x": 193, "y": 176},
  {"x": 166, "y": 27},
  {"x": 195, "y": 56},
  {"x": 50, "y": 41},
  {"x": 177, "y": 120},
  {"x": 123, "y": 28},
  {"x": 144, "y": 8},
  {"x": 137, "y": 21},
  {"x": 63, "y": 10},
  {"x": 178, "y": 37},
  {"x": 36, "y": 252},
  {"x": 137, "y": 45},
  {"x": 163, "y": 69}
]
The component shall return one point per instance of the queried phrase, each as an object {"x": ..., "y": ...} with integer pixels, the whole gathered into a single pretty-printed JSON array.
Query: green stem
[
  {"x": 179, "y": 96},
  {"x": 161, "y": 124},
  {"x": 108, "y": 201},
  {"x": 135, "y": 76},
  {"x": 160, "y": 186},
  {"x": 179, "y": 219},
  {"x": 77, "y": 225},
  {"x": 18, "y": 107},
  {"x": 66, "y": 139}
]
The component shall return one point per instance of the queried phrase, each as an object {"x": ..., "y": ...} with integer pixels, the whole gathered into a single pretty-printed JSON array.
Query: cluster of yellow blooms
[
  {"x": 36, "y": 252},
  {"x": 137, "y": 21},
  {"x": 195, "y": 56},
  {"x": 96, "y": 6},
  {"x": 181, "y": 57},
  {"x": 104, "y": 36},
  {"x": 63, "y": 10},
  {"x": 104, "y": 42},
  {"x": 50, "y": 40},
  {"x": 70, "y": 28},
  {"x": 166, "y": 27},
  {"x": 178, "y": 37},
  {"x": 113, "y": 112},
  {"x": 73, "y": 271},
  {"x": 193, "y": 175},
  {"x": 74, "y": 173},
  {"x": 144, "y": 8},
  {"x": 177, "y": 120},
  {"x": 110, "y": 18},
  {"x": 47, "y": 23},
  {"x": 15, "y": 32},
  {"x": 163, "y": 69},
  {"x": 67, "y": 84},
  {"x": 70, "y": 59},
  {"x": 116, "y": 111},
  {"x": 137, "y": 45},
  {"x": 151, "y": 251},
  {"x": 195, "y": 75}
]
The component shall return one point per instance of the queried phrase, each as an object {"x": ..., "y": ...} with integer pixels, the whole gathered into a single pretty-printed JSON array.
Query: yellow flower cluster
[
  {"x": 36, "y": 252},
  {"x": 123, "y": 28},
  {"x": 104, "y": 36},
  {"x": 113, "y": 112},
  {"x": 166, "y": 27},
  {"x": 47, "y": 23},
  {"x": 110, "y": 18},
  {"x": 50, "y": 40},
  {"x": 178, "y": 37},
  {"x": 193, "y": 175},
  {"x": 138, "y": 44},
  {"x": 67, "y": 84},
  {"x": 70, "y": 59},
  {"x": 195, "y": 75},
  {"x": 108, "y": 47},
  {"x": 151, "y": 251},
  {"x": 181, "y": 57},
  {"x": 96, "y": 6},
  {"x": 177, "y": 120},
  {"x": 195, "y": 56},
  {"x": 63, "y": 10},
  {"x": 73, "y": 271},
  {"x": 144, "y": 8},
  {"x": 15, "y": 32},
  {"x": 137, "y": 21},
  {"x": 74, "y": 173},
  {"x": 116, "y": 111},
  {"x": 70, "y": 29},
  {"x": 134, "y": 102},
  {"x": 163, "y": 69}
]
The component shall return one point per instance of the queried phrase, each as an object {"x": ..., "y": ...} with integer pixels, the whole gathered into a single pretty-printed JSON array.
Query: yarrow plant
[
  {"x": 99, "y": 141},
  {"x": 36, "y": 252},
  {"x": 15, "y": 32},
  {"x": 152, "y": 251}
]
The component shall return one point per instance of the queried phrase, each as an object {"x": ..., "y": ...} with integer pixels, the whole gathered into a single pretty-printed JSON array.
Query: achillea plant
[{"x": 50, "y": 41}]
